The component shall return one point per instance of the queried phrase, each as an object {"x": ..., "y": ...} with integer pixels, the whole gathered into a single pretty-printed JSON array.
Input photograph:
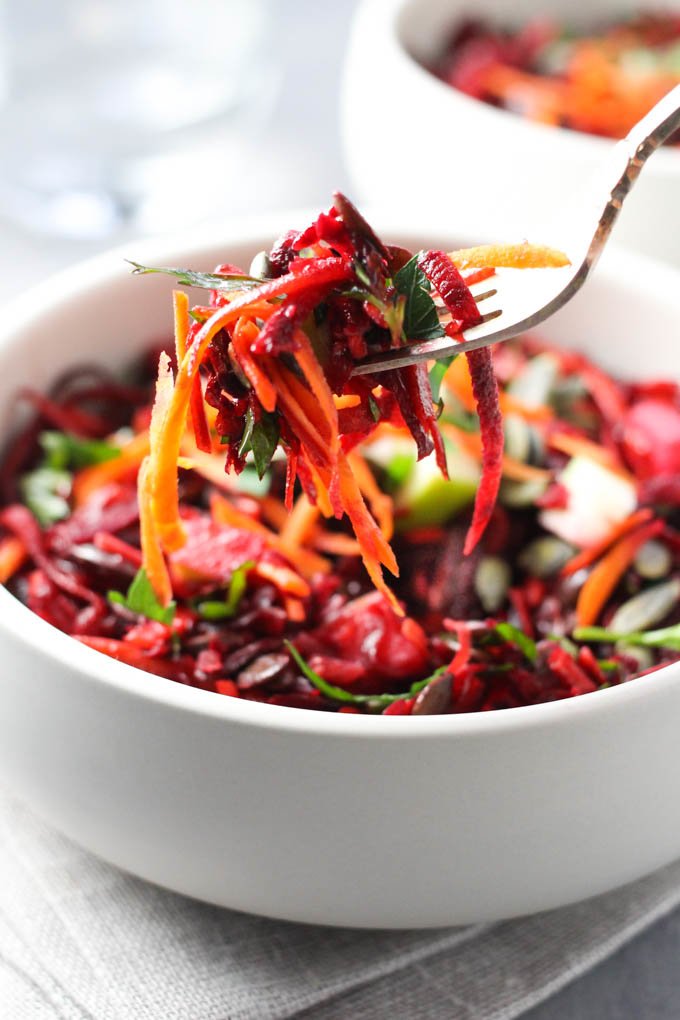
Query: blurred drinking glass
[{"x": 117, "y": 112}]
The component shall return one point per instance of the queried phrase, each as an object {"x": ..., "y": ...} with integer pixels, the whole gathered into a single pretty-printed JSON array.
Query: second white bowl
[{"x": 414, "y": 142}]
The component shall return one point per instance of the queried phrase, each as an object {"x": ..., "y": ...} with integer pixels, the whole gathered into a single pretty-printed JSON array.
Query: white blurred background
[{"x": 119, "y": 119}]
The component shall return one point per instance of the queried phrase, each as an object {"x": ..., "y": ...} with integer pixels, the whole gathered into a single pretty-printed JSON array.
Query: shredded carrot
[
  {"x": 152, "y": 558},
  {"x": 299, "y": 525},
  {"x": 605, "y": 576},
  {"x": 335, "y": 543},
  {"x": 273, "y": 511},
  {"x": 167, "y": 448},
  {"x": 243, "y": 334},
  {"x": 313, "y": 373},
  {"x": 457, "y": 379},
  {"x": 382, "y": 505},
  {"x": 197, "y": 406},
  {"x": 579, "y": 446},
  {"x": 12, "y": 555},
  {"x": 295, "y": 610},
  {"x": 511, "y": 405},
  {"x": 306, "y": 561},
  {"x": 374, "y": 549},
  {"x": 88, "y": 480},
  {"x": 588, "y": 556},
  {"x": 283, "y": 578},
  {"x": 509, "y": 256},
  {"x": 346, "y": 400},
  {"x": 208, "y": 466}
]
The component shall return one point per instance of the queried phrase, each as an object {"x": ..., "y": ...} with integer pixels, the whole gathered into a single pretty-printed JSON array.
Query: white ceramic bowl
[
  {"x": 338, "y": 819},
  {"x": 413, "y": 141}
]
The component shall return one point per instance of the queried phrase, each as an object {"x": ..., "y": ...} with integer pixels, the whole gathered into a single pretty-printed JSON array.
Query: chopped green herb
[
  {"x": 63, "y": 451},
  {"x": 141, "y": 599},
  {"x": 667, "y": 637},
  {"x": 45, "y": 492},
  {"x": 421, "y": 319},
  {"x": 361, "y": 274},
  {"x": 263, "y": 442},
  {"x": 237, "y": 586},
  {"x": 437, "y": 373},
  {"x": 377, "y": 702},
  {"x": 244, "y": 445},
  {"x": 373, "y": 408},
  {"x": 261, "y": 439},
  {"x": 517, "y": 637},
  {"x": 209, "y": 281}
]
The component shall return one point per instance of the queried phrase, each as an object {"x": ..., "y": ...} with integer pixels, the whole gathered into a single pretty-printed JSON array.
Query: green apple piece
[{"x": 426, "y": 498}]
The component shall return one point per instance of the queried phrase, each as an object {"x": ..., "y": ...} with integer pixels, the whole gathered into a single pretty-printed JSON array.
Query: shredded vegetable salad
[
  {"x": 222, "y": 517},
  {"x": 601, "y": 82}
]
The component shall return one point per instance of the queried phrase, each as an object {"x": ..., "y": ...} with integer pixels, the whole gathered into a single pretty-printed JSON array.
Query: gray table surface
[{"x": 641, "y": 981}]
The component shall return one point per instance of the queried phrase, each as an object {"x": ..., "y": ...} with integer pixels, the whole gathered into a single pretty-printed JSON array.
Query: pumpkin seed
[
  {"x": 647, "y": 609},
  {"x": 534, "y": 383},
  {"x": 261, "y": 267},
  {"x": 517, "y": 494},
  {"x": 545, "y": 556},
  {"x": 492, "y": 580},
  {"x": 642, "y": 656},
  {"x": 654, "y": 560},
  {"x": 517, "y": 438},
  {"x": 263, "y": 669},
  {"x": 435, "y": 699}
]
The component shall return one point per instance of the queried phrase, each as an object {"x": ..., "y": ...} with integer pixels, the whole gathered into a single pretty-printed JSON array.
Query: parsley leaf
[
  {"x": 141, "y": 599},
  {"x": 45, "y": 492},
  {"x": 375, "y": 702},
  {"x": 517, "y": 637},
  {"x": 260, "y": 438},
  {"x": 421, "y": 320},
  {"x": 63, "y": 450},
  {"x": 209, "y": 281},
  {"x": 264, "y": 441},
  {"x": 237, "y": 586}
]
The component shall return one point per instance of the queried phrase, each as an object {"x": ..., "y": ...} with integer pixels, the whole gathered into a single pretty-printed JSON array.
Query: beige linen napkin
[{"x": 81, "y": 940}]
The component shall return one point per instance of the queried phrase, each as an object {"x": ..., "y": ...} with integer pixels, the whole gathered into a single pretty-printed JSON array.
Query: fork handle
[{"x": 627, "y": 160}]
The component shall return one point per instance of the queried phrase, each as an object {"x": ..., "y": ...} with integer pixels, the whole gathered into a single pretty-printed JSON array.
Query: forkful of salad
[{"x": 518, "y": 302}]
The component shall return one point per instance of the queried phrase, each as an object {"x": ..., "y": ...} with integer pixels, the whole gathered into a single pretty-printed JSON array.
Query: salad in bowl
[
  {"x": 229, "y": 516},
  {"x": 486, "y": 740}
]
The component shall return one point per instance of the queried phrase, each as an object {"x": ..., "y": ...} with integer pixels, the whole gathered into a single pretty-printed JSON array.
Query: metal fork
[{"x": 526, "y": 297}]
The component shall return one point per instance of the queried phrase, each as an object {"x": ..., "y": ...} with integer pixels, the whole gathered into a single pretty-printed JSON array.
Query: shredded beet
[{"x": 455, "y": 294}]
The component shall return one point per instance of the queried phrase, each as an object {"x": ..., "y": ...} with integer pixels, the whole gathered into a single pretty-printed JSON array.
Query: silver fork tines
[{"x": 523, "y": 298}]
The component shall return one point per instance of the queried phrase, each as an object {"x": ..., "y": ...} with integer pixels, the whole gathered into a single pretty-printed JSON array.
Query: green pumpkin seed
[
  {"x": 261, "y": 267},
  {"x": 654, "y": 560},
  {"x": 492, "y": 580},
  {"x": 517, "y": 494},
  {"x": 435, "y": 699},
  {"x": 545, "y": 556},
  {"x": 517, "y": 438},
  {"x": 647, "y": 609},
  {"x": 534, "y": 383},
  {"x": 643, "y": 656}
]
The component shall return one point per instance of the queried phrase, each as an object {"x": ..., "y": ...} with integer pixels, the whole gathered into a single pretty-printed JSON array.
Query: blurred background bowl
[{"x": 412, "y": 140}]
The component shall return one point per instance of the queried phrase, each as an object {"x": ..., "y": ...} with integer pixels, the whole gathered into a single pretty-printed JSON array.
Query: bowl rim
[
  {"x": 666, "y": 161},
  {"x": 48, "y": 643}
]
